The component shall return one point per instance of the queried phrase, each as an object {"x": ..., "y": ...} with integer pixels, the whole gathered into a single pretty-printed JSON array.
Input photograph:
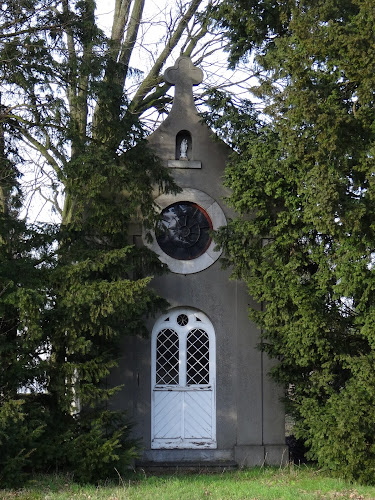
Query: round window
[
  {"x": 182, "y": 237},
  {"x": 183, "y": 231}
]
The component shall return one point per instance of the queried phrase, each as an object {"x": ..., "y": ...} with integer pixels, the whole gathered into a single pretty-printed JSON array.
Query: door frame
[{"x": 180, "y": 392}]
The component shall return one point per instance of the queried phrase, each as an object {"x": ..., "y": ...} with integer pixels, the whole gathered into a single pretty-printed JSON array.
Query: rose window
[{"x": 183, "y": 231}]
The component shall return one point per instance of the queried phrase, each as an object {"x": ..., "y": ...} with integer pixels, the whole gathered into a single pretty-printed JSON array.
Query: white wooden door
[{"x": 183, "y": 381}]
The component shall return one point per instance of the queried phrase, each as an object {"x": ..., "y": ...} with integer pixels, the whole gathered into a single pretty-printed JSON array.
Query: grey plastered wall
[{"x": 249, "y": 413}]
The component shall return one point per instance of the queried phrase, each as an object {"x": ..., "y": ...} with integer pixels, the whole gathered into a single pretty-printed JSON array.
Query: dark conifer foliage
[
  {"x": 304, "y": 242},
  {"x": 69, "y": 293},
  {"x": 25, "y": 255}
]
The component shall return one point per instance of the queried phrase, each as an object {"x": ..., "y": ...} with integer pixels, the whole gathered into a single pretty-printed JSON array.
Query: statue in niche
[{"x": 183, "y": 149}]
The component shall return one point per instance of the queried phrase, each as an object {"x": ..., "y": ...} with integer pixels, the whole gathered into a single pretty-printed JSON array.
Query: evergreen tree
[
  {"x": 303, "y": 185},
  {"x": 24, "y": 257},
  {"x": 101, "y": 293},
  {"x": 66, "y": 107},
  {"x": 77, "y": 303}
]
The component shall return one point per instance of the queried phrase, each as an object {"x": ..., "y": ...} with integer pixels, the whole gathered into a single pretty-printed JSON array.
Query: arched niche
[{"x": 184, "y": 146}]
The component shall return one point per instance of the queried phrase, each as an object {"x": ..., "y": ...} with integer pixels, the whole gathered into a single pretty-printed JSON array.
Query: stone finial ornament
[{"x": 183, "y": 73}]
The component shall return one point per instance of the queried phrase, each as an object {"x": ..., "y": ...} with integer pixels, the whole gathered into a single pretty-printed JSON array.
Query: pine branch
[{"x": 34, "y": 29}]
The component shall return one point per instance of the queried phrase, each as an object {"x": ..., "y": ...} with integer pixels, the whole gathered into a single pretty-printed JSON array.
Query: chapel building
[{"x": 198, "y": 388}]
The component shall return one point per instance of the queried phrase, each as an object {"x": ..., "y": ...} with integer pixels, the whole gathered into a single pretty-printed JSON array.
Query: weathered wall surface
[{"x": 249, "y": 415}]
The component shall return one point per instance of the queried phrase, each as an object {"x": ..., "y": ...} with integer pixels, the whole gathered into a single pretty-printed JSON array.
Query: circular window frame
[{"x": 217, "y": 216}]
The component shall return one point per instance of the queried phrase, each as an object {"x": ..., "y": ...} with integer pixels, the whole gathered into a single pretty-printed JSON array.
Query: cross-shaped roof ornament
[{"x": 183, "y": 75}]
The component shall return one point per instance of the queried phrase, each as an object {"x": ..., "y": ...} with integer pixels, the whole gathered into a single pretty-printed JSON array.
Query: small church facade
[{"x": 197, "y": 389}]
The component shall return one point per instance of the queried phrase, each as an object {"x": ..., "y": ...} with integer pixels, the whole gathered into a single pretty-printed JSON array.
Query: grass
[{"x": 289, "y": 483}]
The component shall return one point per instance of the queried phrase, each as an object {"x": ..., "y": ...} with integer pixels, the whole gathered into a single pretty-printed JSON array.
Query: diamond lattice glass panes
[
  {"x": 198, "y": 358},
  {"x": 183, "y": 371},
  {"x": 167, "y": 357}
]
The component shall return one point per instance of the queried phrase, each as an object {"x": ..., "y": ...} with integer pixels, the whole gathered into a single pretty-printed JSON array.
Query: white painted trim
[{"x": 217, "y": 217}]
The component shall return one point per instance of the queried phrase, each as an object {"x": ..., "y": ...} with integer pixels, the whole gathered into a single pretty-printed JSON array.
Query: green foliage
[
  {"x": 22, "y": 430},
  {"x": 340, "y": 429},
  {"x": 64, "y": 309},
  {"x": 69, "y": 294},
  {"x": 24, "y": 258},
  {"x": 22, "y": 299},
  {"x": 304, "y": 243},
  {"x": 99, "y": 293},
  {"x": 250, "y": 24},
  {"x": 100, "y": 444}
]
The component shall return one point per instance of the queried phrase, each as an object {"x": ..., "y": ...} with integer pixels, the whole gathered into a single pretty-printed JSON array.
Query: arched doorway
[{"x": 183, "y": 400}]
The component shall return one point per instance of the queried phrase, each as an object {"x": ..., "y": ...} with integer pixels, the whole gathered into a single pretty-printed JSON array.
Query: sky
[{"x": 157, "y": 16}]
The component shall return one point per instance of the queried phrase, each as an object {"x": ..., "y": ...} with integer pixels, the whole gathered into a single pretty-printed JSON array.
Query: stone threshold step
[{"x": 186, "y": 466}]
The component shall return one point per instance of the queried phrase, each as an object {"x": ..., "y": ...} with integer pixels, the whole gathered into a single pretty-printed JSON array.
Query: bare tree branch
[{"x": 150, "y": 80}]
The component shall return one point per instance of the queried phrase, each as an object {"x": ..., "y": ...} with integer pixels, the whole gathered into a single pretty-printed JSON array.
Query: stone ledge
[
  {"x": 249, "y": 455},
  {"x": 184, "y": 164},
  {"x": 186, "y": 456},
  {"x": 175, "y": 467}
]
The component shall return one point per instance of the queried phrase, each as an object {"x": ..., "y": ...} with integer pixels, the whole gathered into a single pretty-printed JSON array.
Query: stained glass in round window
[
  {"x": 183, "y": 231},
  {"x": 182, "y": 319}
]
